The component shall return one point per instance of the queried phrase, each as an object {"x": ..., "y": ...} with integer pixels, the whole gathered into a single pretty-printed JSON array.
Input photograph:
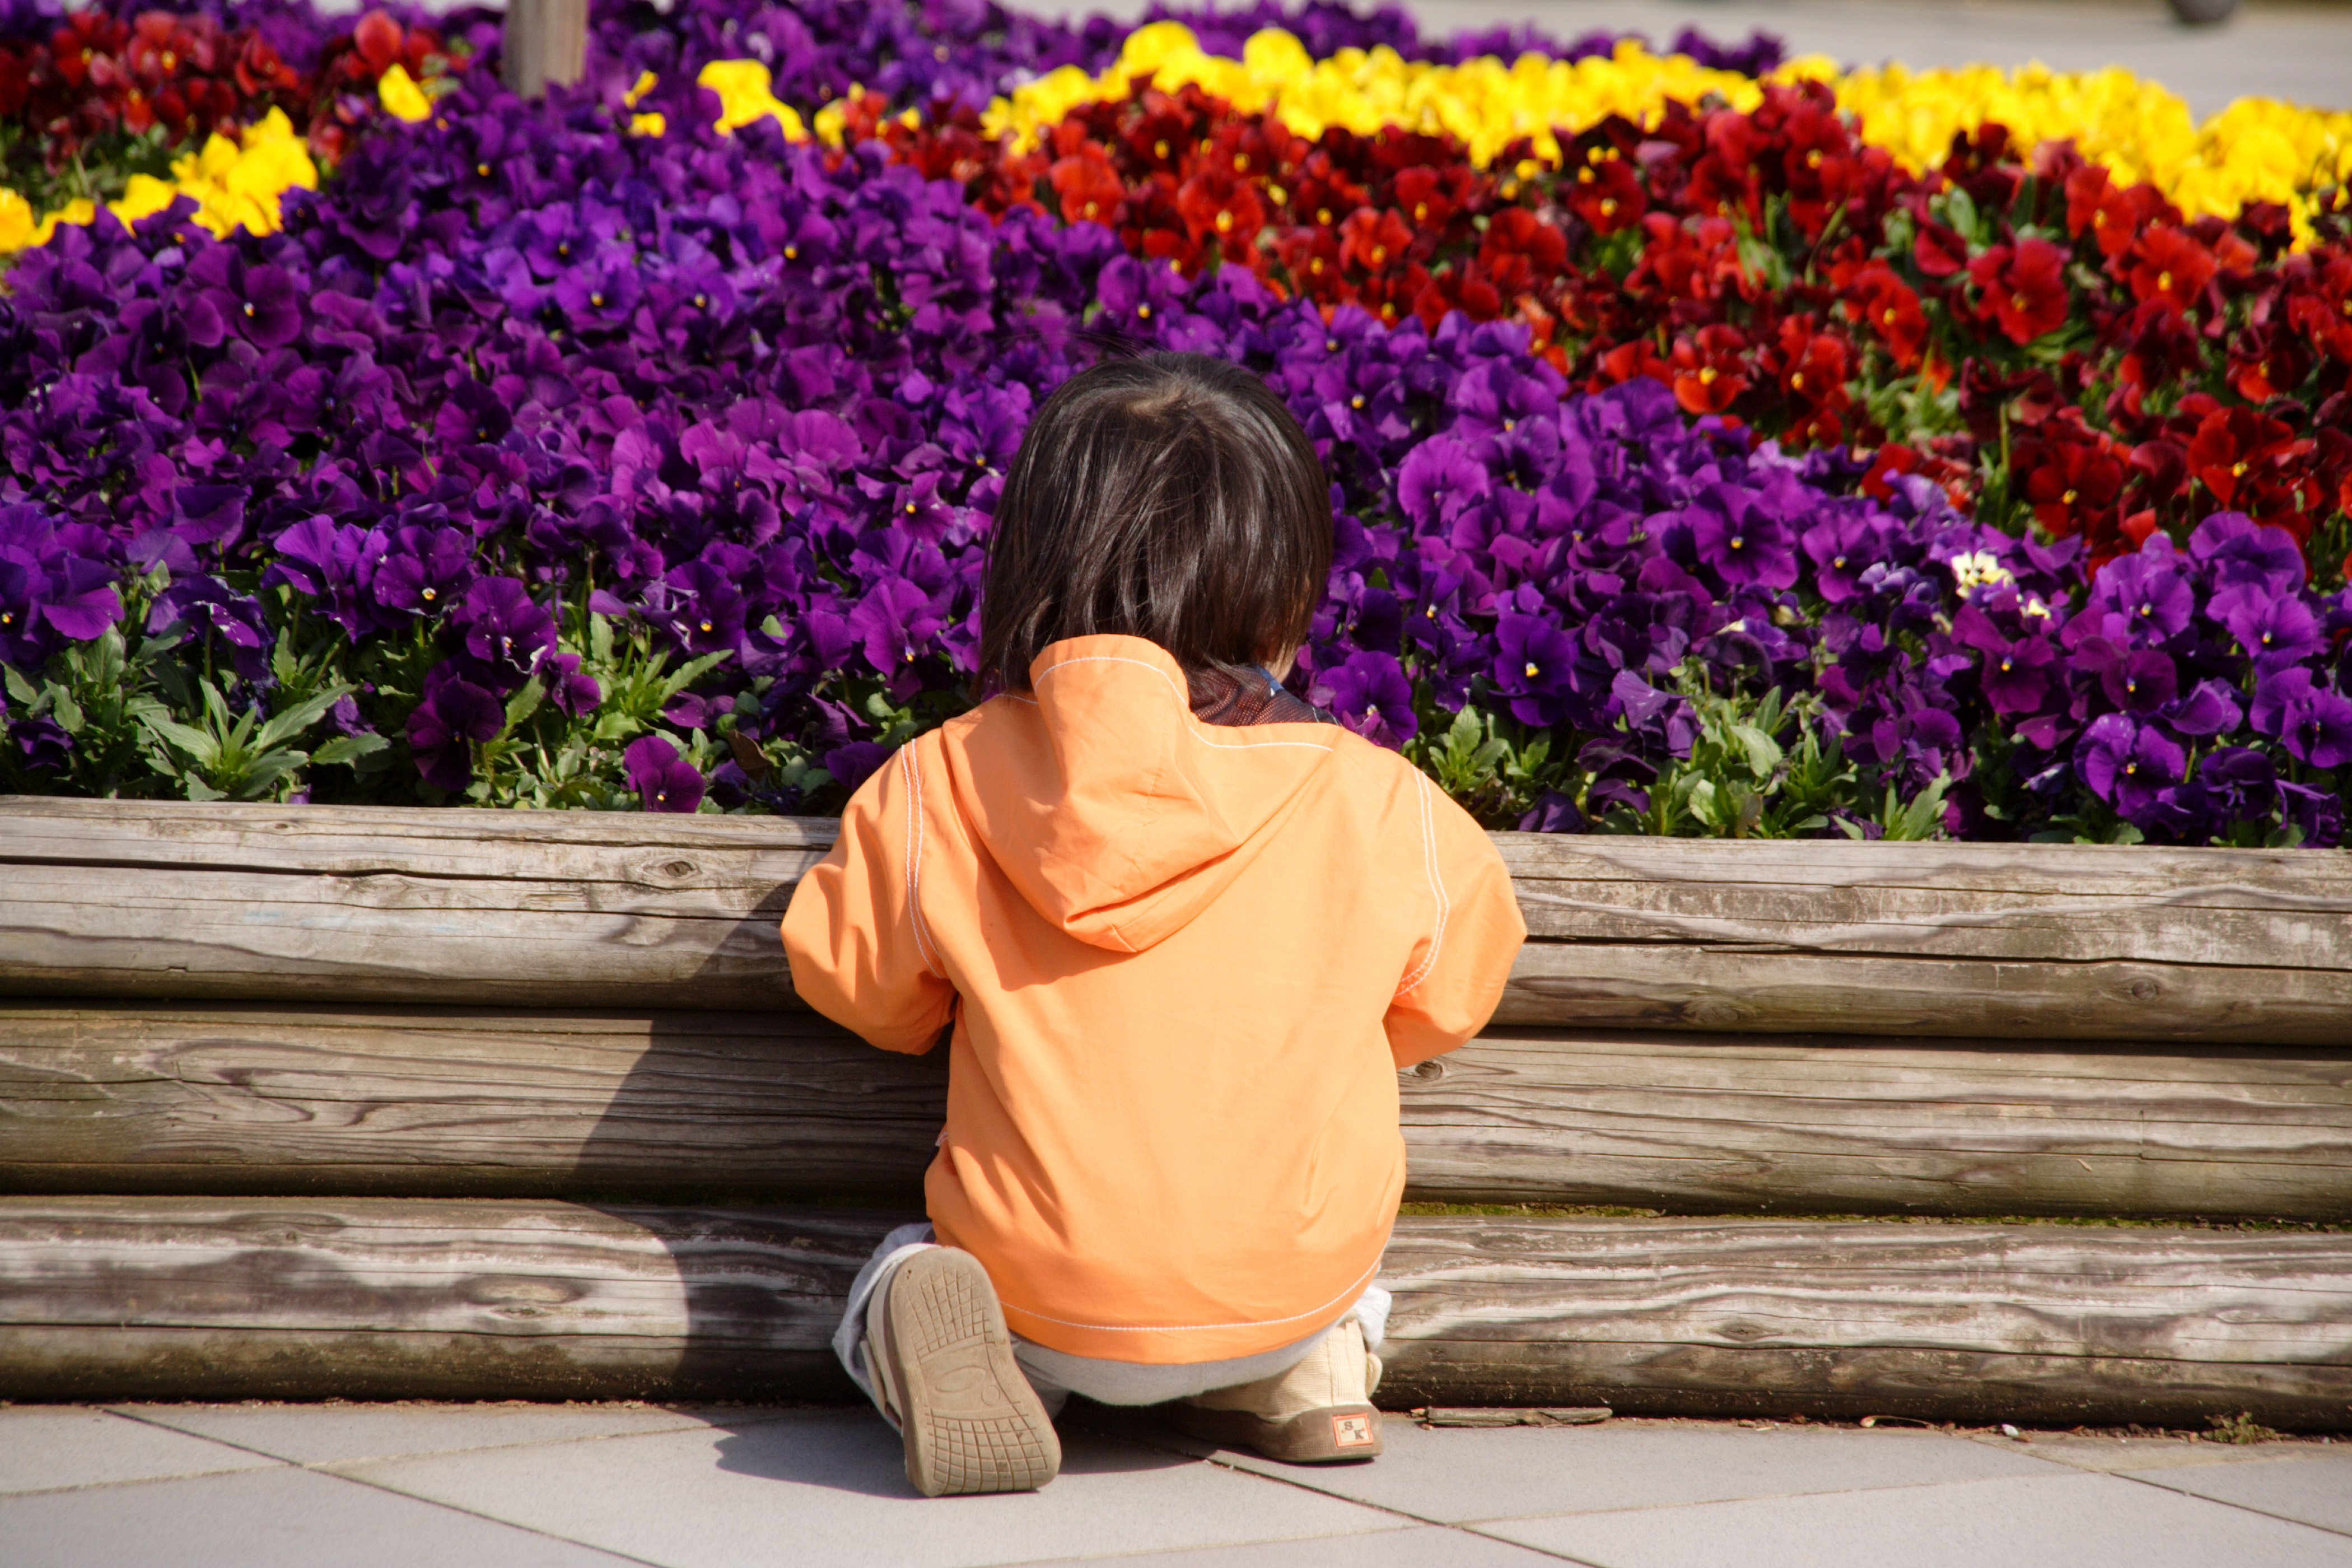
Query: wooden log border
[
  {"x": 105, "y": 898},
  {"x": 232, "y": 1100},
  {"x": 381, "y": 1299}
]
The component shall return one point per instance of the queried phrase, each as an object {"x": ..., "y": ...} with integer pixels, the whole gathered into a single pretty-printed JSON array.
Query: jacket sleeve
[
  {"x": 1456, "y": 974},
  {"x": 854, "y": 934}
]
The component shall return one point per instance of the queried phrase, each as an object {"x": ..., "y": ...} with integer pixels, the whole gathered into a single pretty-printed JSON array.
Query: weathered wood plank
[
  {"x": 449, "y": 1103},
  {"x": 545, "y": 45},
  {"x": 1746, "y": 991},
  {"x": 423, "y": 1102},
  {"x": 2054, "y": 1323},
  {"x": 1698, "y": 1124},
  {"x": 206, "y": 1298},
  {"x": 566, "y": 908}
]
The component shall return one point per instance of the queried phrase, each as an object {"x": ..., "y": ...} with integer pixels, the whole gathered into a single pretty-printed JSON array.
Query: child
[{"x": 1185, "y": 928}]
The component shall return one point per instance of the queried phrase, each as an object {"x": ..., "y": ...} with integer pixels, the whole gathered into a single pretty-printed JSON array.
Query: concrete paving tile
[
  {"x": 2112, "y": 1456},
  {"x": 2082, "y": 1522},
  {"x": 1425, "y": 1546},
  {"x": 830, "y": 1488},
  {"x": 1456, "y": 1475},
  {"x": 340, "y": 1433},
  {"x": 277, "y": 1518},
  {"x": 2316, "y": 1488},
  {"x": 42, "y": 1446}
]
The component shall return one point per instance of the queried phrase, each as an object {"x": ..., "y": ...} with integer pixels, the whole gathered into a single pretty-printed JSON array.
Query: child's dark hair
[{"x": 1170, "y": 497}]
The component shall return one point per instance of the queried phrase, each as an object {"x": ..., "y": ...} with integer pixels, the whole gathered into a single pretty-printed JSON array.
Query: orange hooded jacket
[{"x": 1183, "y": 964}]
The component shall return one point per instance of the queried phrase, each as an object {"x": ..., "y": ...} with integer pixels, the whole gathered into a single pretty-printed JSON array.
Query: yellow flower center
[
  {"x": 2019, "y": 302},
  {"x": 706, "y": 625},
  {"x": 791, "y": 253},
  {"x": 1380, "y": 254},
  {"x": 2238, "y": 470},
  {"x": 1531, "y": 669},
  {"x": 1356, "y": 401},
  {"x": 1813, "y": 159},
  {"x": 1889, "y": 318},
  {"x": 1421, "y": 211},
  {"x": 1091, "y": 209},
  {"x": 1144, "y": 311},
  {"x": 2067, "y": 500},
  {"x": 1159, "y": 148},
  {"x": 482, "y": 169},
  {"x": 1706, "y": 376},
  {"x": 430, "y": 596},
  {"x": 2164, "y": 282},
  {"x": 1317, "y": 266},
  {"x": 1797, "y": 381},
  {"x": 1323, "y": 217},
  {"x": 1224, "y": 223},
  {"x": 1241, "y": 162},
  {"x": 1609, "y": 206}
]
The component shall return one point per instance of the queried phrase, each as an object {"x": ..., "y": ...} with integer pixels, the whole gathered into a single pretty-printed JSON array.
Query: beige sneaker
[
  {"x": 943, "y": 1361},
  {"x": 1317, "y": 1413}
]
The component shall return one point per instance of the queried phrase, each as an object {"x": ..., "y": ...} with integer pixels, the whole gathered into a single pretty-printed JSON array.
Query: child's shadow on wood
[{"x": 856, "y": 1451}]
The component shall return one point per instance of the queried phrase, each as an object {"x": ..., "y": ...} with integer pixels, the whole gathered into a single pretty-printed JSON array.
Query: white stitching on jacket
[{"x": 1436, "y": 888}]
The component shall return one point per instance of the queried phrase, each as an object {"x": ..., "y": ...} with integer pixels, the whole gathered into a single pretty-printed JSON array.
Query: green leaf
[
  {"x": 1763, "y": 752},
  {"x": 264, "y": 771},
  {"x": 199, "y": 790},
  {"x": 349, "y": 748},
  {"x": 199, "y": 746},
  {"x": 302, "y": 716},
  {"x": 600, "y": 638},
  {"x": 19, "y": 688},
  {"x": 69, "y": 711},
  {"x": 525, "y": 702}
]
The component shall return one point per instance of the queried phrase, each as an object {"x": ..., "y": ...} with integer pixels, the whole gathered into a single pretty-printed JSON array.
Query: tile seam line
[
  {"x": 2336, "y": 1531},
  {"x": 2057, "y": 1472},
  {"x": 1224, "y": 1463},
  {"x": 412, "y": 1496},
  {"x": 330, "y": 1466}
]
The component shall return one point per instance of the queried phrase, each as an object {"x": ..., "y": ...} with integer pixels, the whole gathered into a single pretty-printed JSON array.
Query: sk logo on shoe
[{"x": 1351, "y": 1431}]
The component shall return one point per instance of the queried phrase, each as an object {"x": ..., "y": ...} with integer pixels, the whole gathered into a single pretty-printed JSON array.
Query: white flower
[{"x": 1980, "y": 570}]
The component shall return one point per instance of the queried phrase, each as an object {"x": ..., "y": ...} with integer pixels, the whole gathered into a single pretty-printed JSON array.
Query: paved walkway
[{"x": 519, "y": 1486}]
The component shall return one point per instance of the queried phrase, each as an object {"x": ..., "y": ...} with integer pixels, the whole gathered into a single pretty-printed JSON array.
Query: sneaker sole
[
  {"x": 1335, "y": 1435},
  {"x": 971, "y": 1421}
]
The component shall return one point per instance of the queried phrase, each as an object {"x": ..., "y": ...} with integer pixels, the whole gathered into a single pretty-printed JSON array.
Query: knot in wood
[
  {"x": 1430, "y": 1071},
  {"x": 679, "y": 868},
  {"x": 2146, "y": 989}
]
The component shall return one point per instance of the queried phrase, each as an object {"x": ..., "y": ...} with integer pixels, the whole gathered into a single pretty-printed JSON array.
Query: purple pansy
[{"x": 664, "y": 780}]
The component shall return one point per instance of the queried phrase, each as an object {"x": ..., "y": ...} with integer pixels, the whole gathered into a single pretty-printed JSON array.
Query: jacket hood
[{"x": 1118, "y": 814}]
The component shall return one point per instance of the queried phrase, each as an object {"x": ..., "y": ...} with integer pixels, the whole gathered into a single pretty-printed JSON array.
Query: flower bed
[{"x": 597, "y": 455}]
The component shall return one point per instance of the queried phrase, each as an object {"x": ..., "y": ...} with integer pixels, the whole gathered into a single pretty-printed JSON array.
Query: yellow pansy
[
  {"x": 400, "y": 95},
  {"x": 1485, "y": 102},
  {"x": 744, "y": 96},
  {"x": 144, "y": 196},
  {"x": 15, "y": 221},
  {"x": 236, "y": 184},
  {"x": 2256, "y": 150}
]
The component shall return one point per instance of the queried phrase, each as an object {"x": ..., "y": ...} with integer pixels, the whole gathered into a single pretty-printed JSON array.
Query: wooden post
[{"x": 546, "y": 45}]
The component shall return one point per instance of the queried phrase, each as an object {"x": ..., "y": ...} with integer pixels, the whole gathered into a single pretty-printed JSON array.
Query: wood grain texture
[
  {"x": 448, "y": 1102},
  {"x": 1698, "y": 1124},
  {"x": 557, "y": 909},
  {"x": 545, "y": 45},
  {"x": 566, "y": 908},
  {"x": 453, "y": 1102},
  {"x": 198, "y": 1298},
  {"x": 2056, "y": 1323}
]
